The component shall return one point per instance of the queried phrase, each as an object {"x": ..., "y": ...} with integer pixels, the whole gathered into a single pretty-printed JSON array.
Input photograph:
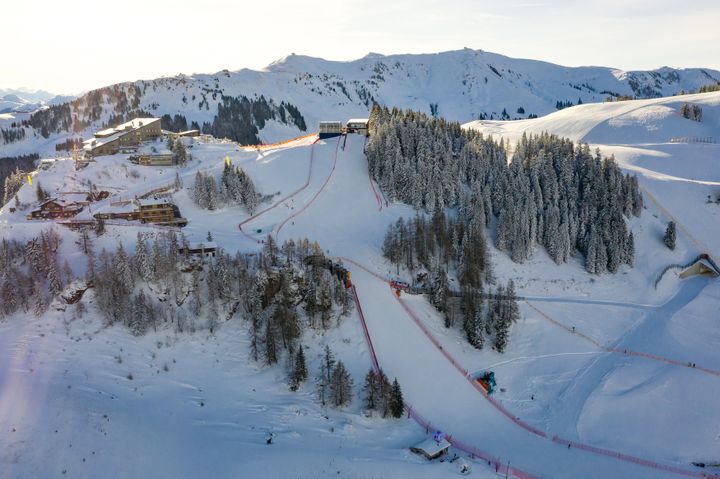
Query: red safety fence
[
  {"x": 375, "y": 192},
  {"x": 626, "y": 352},
  {"x": 381, "y": 278},
  {"x": 485, "y": 456},
  {"x": 528, "y": 427},
  {"x": 556, "y": 439},
  {"x": 635, "y": 460},
  {"x": 373, "y": 356},
  {"x": 315, "y": 196},
  {"x": 284, "y": 199},
  {"x": 378, "y": 199},
  {"x": 474, "y": 452}
]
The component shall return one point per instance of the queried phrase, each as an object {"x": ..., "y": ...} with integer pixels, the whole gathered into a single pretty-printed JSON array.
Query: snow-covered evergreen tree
[{"x": 670, "y": 235}]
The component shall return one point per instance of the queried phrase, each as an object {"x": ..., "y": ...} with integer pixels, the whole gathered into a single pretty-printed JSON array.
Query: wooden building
[
  {"x": 126, "y": 135},
  {"x": 156, "y": 159},
  {"x": 56, "y": 208},
  {"x": 156, "y": 211},
  {"x": 118, "y": 215}
]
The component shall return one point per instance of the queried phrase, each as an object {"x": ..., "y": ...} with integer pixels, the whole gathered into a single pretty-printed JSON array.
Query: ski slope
[
  {"x": 341, "y": 219},
  {"x": 624, "y": 415}
]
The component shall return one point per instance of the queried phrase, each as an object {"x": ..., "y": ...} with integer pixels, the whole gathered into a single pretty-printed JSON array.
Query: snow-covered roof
[
  {"x": 152, "y": 201},
  {"x": 147, "y": 149},
  {"x": 203, "y": 245},
  {"x": 74, "y": 197},
  {"x": 431, "y": 447},
  {"x": 110, "y": 134},
  {"x": 136, "y": 123},
  {"x": 358, "y": 120},
  {"x": 60, "y": 202},
  {"x": 95, "y": 142},
  {"x": 105, "y": 132},
  {"x": 115, "y": 208}
]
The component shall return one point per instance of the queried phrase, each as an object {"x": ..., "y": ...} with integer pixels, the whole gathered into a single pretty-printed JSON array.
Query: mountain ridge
[{"x": 459, "y": 85}]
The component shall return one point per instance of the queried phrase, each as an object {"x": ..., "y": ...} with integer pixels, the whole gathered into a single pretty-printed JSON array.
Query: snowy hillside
[
  {"x": 458, "y": 85},
  {"x": 675, "y": 158},
  {"x": 604, "y": 375}
]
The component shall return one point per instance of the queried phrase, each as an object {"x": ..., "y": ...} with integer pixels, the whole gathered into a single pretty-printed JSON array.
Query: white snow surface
[{"x": 66, "y": 403}]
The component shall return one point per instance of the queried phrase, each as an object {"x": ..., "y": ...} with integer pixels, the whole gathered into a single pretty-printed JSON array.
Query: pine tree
[
  {"x": 180, "y": 155},
  {"x": 384, "y": 393},
  {"x": 328, "y": 363},
  {"x": 670, "y": 235},
  {"x": 372, "y": 390},
  {"x": 340, "y": 385},
  {"x": 395, "y": 401},
  {"x": 139, "y": 316},
  {"x": 271, "y": 353},
  {"x": 439, "y": 290},
  {"x": 270, "y": 250},
  {"x": 100, "y": 227},
  {"x": 40, "y": 193},
  {"x": 325, "y": 377},
  {"x": 123, "y": 268},
  {"x": 53, "y": 277},
  {"x": 141, "y": 259},
  {"x": 299, "y": 372}
]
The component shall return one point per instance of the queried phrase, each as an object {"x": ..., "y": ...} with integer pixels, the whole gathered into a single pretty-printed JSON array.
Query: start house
[{"x": 131, "y": 133}]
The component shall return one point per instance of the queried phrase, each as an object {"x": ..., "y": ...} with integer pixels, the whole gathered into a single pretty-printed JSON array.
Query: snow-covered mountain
[
  {"x": 461, "y": 85},
  {"x": 11, "y": 103},
  {"x": 24, "y": 100},
  {"x": 458, "y": 85},
  {"x": 28, "y": 94}
]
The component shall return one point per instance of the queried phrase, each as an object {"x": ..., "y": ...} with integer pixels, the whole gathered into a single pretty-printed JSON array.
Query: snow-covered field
[{"x": 574, "y": 367}]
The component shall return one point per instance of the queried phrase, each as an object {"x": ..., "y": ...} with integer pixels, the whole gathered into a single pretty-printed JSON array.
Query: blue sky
[{"x": 74, "y": 45}]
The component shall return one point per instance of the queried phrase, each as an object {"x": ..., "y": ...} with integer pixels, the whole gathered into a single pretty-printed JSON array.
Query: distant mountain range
[
  {"x": 25, "y": 100},
  {"x": 462, "y": 85}
]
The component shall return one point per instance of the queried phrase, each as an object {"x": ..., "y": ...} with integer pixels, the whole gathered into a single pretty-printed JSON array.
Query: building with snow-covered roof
[
  {"x": 704, "y": 266},
  {"x": 130, "y": 133},
  {"x": 431, "y": 448},
  {"x": 56, "y": 208},
  {"x": 357, "y": 125}
]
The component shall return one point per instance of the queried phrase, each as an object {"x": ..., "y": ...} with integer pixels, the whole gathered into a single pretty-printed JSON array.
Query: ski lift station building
[{"x": 328, "y": 129}]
